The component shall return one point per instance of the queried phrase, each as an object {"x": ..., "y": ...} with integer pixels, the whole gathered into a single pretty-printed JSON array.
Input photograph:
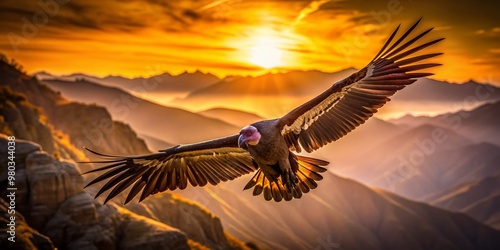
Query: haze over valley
[
  {"x": 86, "y": 85},
  {"x": 434, "y": 159}
]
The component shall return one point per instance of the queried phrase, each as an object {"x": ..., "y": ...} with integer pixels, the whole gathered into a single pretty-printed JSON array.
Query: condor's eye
[{"x": 248, "y": 133}]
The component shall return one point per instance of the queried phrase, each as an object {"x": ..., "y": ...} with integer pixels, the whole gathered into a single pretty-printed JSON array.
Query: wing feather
[
  {"x": 135, "y": 190},
  {"x": 350, "y": 102},
  {"x": 161, "y": 184},
  {"x": 195, "y": 164}
]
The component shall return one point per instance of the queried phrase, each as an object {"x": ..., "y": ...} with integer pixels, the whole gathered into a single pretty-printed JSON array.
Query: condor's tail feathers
[{"x": 308, "y": 173}]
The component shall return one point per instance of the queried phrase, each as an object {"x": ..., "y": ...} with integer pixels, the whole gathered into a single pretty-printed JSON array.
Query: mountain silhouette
[
  {"x": 480, "y": 124},
  {"x": 343, "y": 213},
  {"x": 278, "y": 93},
  {"x": 235, "y": 117},
  {"x": 161, "y": 88},
  {"x": 84, "y": 125},
  {"x": 170, "y": 124},
  {"x": 479, "y": 199}
]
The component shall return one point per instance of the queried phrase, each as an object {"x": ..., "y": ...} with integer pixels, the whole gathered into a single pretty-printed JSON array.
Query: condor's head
[{"x": 249, "y": 135}]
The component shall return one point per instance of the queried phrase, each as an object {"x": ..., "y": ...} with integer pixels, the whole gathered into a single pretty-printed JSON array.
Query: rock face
[
  {"x": 50, "y": 194},
  {"x": 43, "y": 183},
  {"x": 25, "y": 236},
  {"x": 81, "y": 222},
  {"x": 196, "y": 222},
  {"x": 49, "y": 183},
  {"x": 92, "y": 126}
]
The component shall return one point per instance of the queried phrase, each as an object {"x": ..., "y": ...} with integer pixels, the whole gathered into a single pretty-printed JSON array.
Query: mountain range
[
  {"x": 480, "y": 124},
  {"x": 479, "y": 199},
  {"x": 468, "y": 137},
  {"x": 235, "y": 117},
  {"x": 161, "y": 88},
  {"x": 83, "y": 125},
  {"x": 170, "y": 124},
  {"x": 342, "y": 213},
  {"x": 280, "y": 92}
]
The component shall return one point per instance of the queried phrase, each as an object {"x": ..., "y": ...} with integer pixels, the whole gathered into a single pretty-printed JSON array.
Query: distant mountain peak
[
  {"x": 43, "y": 72},
  {"x": 471, "y": 81},
  {"x": 197, "y": 72}
]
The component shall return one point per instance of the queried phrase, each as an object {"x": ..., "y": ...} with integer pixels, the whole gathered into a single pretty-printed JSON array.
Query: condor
[{"x": 268, "y": 147}]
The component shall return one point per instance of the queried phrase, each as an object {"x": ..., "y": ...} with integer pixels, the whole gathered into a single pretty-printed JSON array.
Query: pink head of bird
[{"x": 249, "y": 135}]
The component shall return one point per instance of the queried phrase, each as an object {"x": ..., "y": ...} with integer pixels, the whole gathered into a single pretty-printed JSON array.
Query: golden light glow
[
  {"x": 229, "y": 37},
  {"x": 266, "y": 53}
]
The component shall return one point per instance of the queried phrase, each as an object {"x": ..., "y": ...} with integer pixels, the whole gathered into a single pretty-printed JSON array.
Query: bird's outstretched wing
[
  {"x": 351, "y": 101},
  {"x": 201, "y": 163}
]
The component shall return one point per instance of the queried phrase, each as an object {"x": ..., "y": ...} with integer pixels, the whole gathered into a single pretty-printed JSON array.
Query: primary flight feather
[{"x": 267, "y": 146}]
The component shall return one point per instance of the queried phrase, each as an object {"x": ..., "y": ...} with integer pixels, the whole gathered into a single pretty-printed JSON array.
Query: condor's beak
[{"x": 241, "y": 141}]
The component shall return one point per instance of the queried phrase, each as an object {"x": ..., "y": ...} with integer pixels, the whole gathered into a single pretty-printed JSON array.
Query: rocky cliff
[
  {"x": 50, "y": 195},
  {"x": 25, "y": 236},
  {"x": 196, "y": 222}
]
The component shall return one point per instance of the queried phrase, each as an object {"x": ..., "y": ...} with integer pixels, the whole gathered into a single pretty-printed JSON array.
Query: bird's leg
[
  {"x": 290, "y": 179},
  {"x": 287, "y": 175}
]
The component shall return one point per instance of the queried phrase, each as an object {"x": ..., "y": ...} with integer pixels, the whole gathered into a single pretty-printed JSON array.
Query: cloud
[
  {"x": 495, "y": 50},
  {"x": 117, "y": 15},
  {"x": 492, "y": 32},
  {"x": 314, "y": 31},
  {"x": 214, "y": 4},
  {"x": 309, "y": 9}
]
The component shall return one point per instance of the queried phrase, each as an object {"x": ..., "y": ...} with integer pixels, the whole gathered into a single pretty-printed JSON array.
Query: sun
[{"x": 266, "y": 53}]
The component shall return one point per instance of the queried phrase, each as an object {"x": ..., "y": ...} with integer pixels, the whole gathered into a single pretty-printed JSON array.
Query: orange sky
[{"x": 144, "y": 38}]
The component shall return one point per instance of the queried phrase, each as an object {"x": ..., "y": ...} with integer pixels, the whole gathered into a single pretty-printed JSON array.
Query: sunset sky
[{"x": 226, "y": 37}]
